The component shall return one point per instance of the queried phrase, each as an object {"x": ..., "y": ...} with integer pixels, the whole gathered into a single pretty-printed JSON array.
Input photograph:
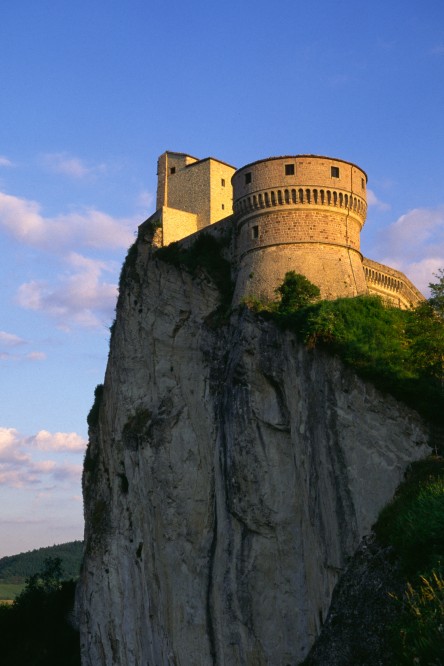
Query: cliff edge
[{"x": 231, "y": 474}]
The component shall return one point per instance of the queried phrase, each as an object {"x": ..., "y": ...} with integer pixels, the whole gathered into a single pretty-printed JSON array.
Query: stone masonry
[{"x": 298, "y": 212}]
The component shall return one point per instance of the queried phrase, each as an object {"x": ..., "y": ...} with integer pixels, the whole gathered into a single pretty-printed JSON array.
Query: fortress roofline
[
  {"x": 198, "y": 160},
  {"x": 174, "y": 152},
  {"x": 293, "y": 157},
  {"x": 206, "y": 159}
]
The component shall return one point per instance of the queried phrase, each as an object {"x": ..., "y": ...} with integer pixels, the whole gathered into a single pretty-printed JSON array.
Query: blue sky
[{"x": 92, "y": 92}]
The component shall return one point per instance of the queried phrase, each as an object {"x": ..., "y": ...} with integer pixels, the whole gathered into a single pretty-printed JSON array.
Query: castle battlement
[{"x": 296, "y": 212}]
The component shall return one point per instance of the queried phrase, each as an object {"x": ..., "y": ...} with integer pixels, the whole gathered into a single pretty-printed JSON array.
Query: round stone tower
[{"x": 303, "y": 213}]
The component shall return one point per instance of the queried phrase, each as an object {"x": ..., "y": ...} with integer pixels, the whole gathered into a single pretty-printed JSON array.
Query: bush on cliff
[
  {"x": 413, "y": 524},
  {"x": 400, "y": 351},
  {"x": 296, "y": 292}
]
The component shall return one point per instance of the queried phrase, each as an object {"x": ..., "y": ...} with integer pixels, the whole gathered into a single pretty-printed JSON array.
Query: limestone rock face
[{"x": 230, "y": 476}]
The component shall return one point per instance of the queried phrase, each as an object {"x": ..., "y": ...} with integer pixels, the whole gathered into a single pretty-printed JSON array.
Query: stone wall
[
  {"x": 301, "y": 213},
  {"x": 201, "y": 187},
  {"x": 392, "y": 285}
]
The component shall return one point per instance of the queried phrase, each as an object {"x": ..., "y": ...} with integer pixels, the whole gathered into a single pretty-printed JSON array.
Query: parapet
[{"x": 392, "y": 285}]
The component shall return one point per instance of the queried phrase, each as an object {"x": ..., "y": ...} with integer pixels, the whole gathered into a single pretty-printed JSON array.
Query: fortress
[{"x": 298, "y": 212}]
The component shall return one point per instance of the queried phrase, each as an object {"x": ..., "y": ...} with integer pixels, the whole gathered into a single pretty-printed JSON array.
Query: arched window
[
  {"x": 322, "y": 197},
  {"x": 335, "y": 198},
  {"x": 273, "y": 199},
  {"x": 287, "y": 196},
  {"x": 328, "y": 198},
  {"x": 293, "y": 196},
  {"x": 315, "y": 196},
  {"x": 301, "y": 196},
  {"x": 280, "y": 197},
  {"x": 307, "y": 196},
  {"x": 267, "y": 199}
]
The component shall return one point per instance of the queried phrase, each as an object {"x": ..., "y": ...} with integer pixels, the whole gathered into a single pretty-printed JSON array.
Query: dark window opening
[
  {"x": 255, "y": 232},
  {"x": 363, "y": 183},
  {"x": 223, "y": 206},
  {"x": 289, "y": 169},
  {"x": 173, "y": 170},
  {"x": 248, "y": 178},
  {"x": 222, "y": 182},
  {"x": 335, "y": 172}
]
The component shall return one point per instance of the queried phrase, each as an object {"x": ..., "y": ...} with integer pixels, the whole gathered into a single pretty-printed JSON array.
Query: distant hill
[{"x": 16, "y": 568}]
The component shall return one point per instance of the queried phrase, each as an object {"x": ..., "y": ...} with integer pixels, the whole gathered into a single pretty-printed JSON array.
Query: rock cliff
[{"x": 231, "y": 473}]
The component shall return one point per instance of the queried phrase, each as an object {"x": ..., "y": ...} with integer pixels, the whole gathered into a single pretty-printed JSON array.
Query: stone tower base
[{"x": 337, "y": 271}]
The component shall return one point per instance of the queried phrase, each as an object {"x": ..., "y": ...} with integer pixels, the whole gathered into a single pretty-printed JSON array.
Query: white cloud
[
  {"x": 4, "y": 162},
  {"x": 59, "y": 441},
  {"x": 373, "y": 200},
  {"x": 415, "y": 245},
  {"x": 19, "y": 469},
  {"x": 78, "y": 298},
  {"x": 10, "y": 339},
  {"x": 24, "y": 220},
  {"x": 73, "y": 167}
]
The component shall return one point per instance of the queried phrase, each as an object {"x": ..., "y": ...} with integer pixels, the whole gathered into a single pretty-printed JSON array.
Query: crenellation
[{"x": 296, "y": 212}]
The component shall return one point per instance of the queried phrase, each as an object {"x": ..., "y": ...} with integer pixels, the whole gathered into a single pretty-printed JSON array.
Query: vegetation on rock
[
  {"x": 400, "y": 351},
  {"x": 413, "y": 524},
  {"x": 296, "y": 292}
]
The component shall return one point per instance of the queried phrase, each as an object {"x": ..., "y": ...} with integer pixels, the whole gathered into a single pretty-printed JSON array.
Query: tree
[
  {"x": 296, "y": 292},
  {"x": 437, "y": 289},
  {"x": 36, "y": 629}
]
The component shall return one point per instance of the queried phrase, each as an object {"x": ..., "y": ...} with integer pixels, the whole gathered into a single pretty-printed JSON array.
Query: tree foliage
[
  {"x": 437, "y": 290},
  {"x": 16, "y": 568},
  {"x": 400, "y": 351},
  {"x": 413, "y": 524},
  {"x": 37, "y": 629},
  {"x": 296, "y": 292}
]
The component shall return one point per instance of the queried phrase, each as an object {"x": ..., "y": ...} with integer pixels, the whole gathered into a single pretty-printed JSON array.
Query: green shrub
[
  {"x": 413, "y": 524},
  {"x": 35, "y": 629},
  {"x": 400, "y": 351},
  {"x": 418, "y": 634},
  {"x": 296, "y": 292}
]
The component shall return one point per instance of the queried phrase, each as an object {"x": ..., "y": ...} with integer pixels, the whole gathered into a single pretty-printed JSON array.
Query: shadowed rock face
[{"x": 231, "y": 475}]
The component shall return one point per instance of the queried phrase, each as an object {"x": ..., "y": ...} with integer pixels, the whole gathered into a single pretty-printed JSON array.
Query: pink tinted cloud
[
  {"x": 20, "y": 469},
  {"x": 79, "y": 297},
  {"x": 23, "y": 219},
  {"x": 415, "y": 245}
]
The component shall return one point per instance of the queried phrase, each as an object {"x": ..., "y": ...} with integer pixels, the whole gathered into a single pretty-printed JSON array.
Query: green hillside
[{"x": 16, "y": 568}]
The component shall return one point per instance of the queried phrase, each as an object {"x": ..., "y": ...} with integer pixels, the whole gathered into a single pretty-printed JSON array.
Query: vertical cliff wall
[{"x": 230, "y": 475}]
